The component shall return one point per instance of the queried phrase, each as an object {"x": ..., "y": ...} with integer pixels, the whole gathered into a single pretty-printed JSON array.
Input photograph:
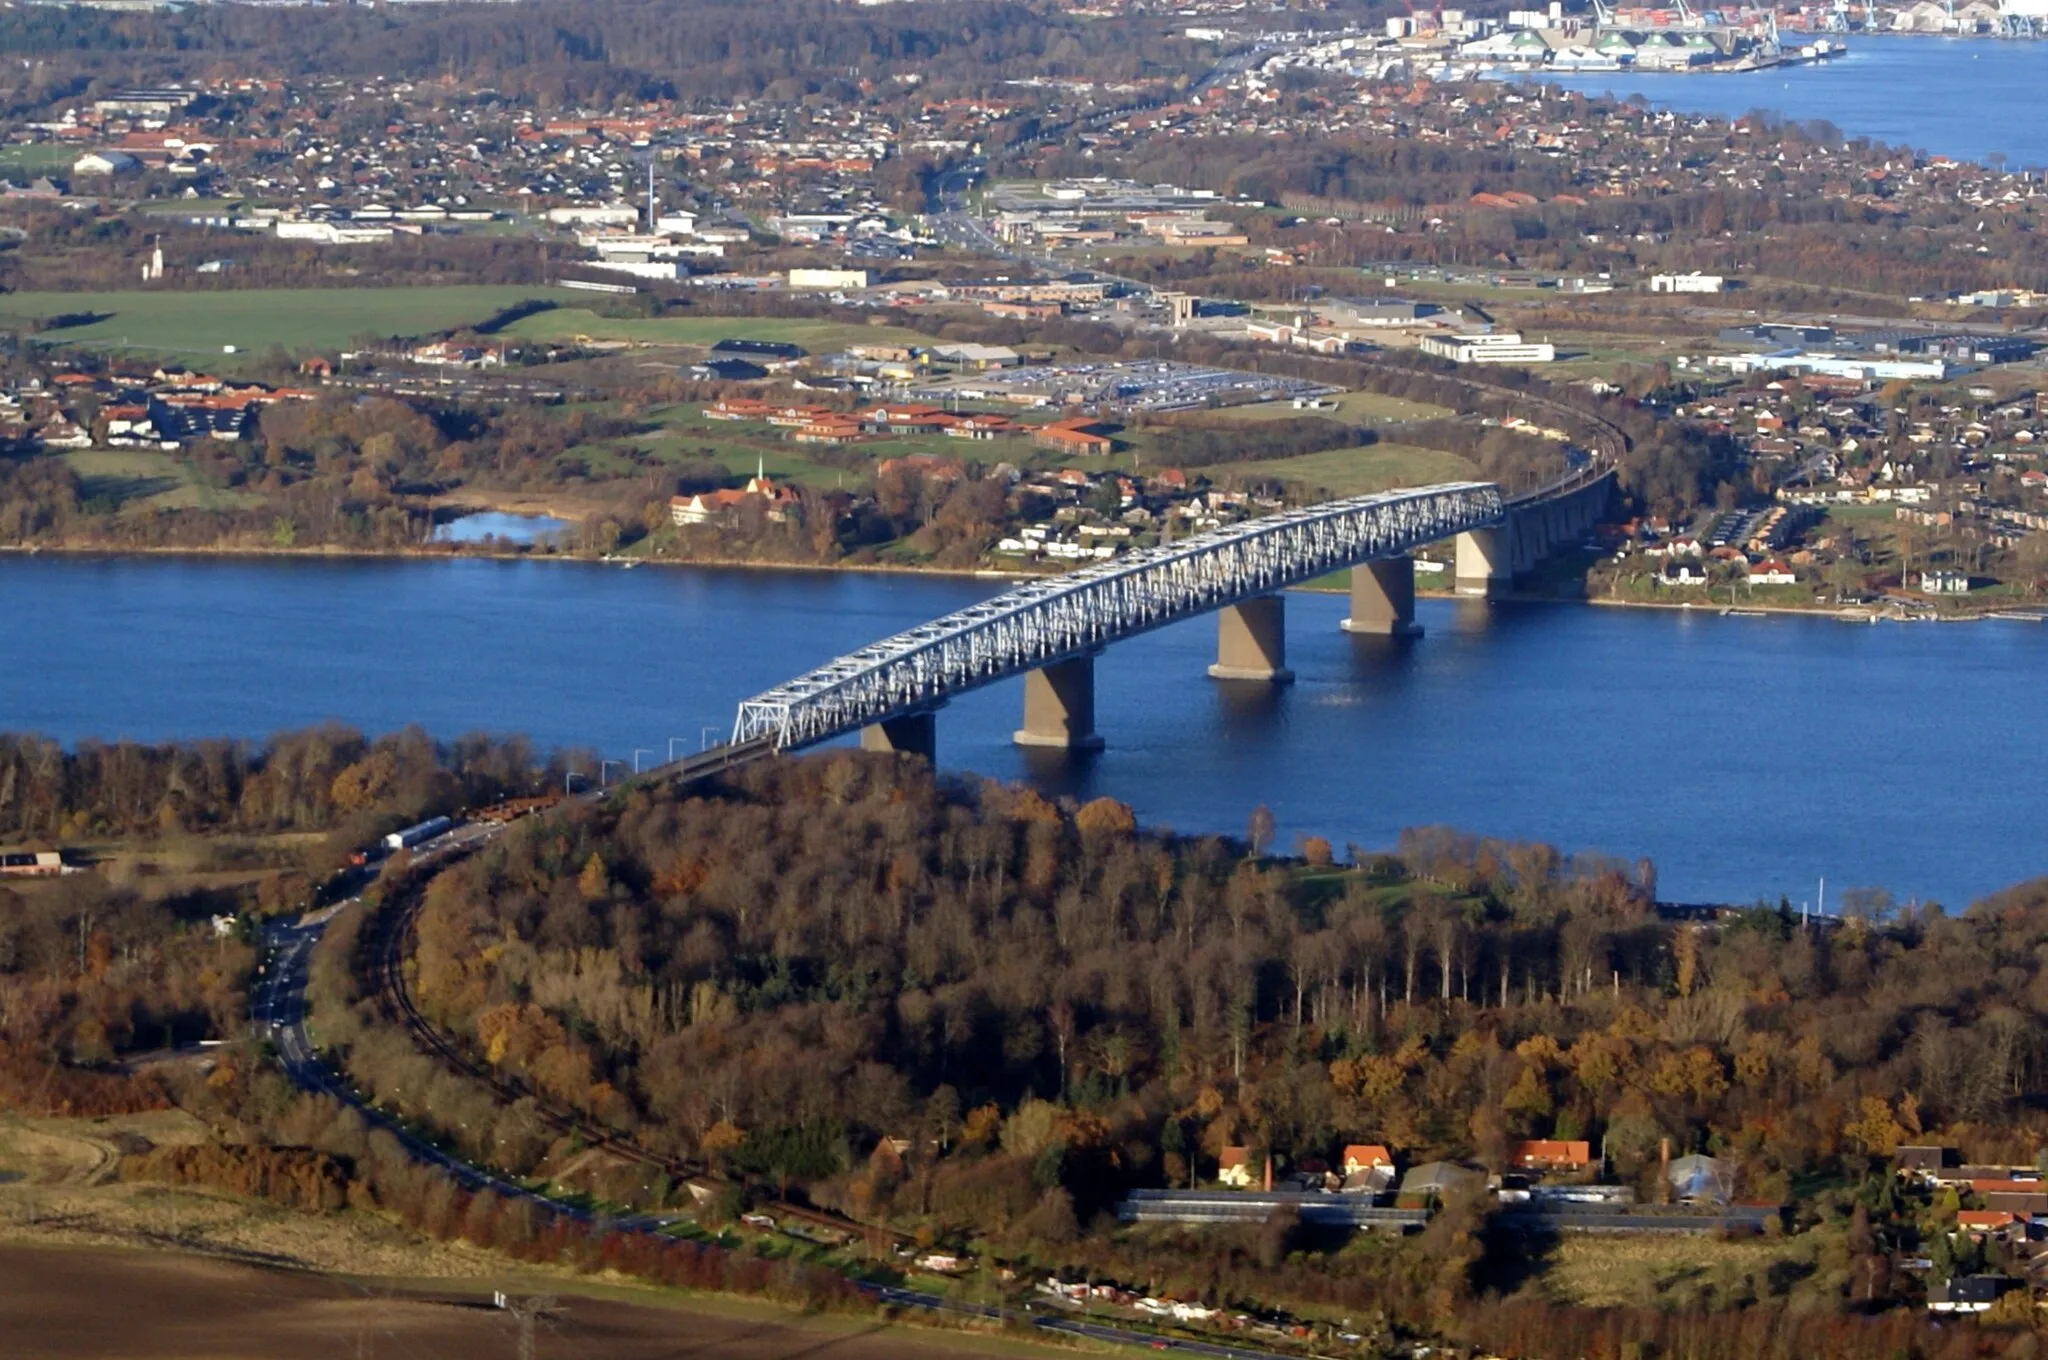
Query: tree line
[{"x": 963, "y": 1009}]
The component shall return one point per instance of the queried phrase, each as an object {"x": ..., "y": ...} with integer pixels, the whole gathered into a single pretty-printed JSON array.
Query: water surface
[
  {"x": 1971, "y": 98},
  {"x": 1747, "y": 756}
]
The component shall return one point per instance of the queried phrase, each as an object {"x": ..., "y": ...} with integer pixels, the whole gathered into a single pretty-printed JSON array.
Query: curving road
[{"x": 278, "y": 1017}]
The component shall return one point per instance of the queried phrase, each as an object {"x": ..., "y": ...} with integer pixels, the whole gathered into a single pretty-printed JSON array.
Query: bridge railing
[{"x": 1043, "y": 622}]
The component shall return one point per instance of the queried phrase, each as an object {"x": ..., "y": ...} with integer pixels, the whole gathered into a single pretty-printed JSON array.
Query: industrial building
[{"x": 1502, "y": 347}]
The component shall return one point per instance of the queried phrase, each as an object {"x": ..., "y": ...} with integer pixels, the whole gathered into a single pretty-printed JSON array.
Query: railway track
[{"x": 398, "y": 930}]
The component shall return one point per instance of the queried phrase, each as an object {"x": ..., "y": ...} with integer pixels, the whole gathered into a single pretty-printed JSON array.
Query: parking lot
[{"x": 1138, "y": 385}]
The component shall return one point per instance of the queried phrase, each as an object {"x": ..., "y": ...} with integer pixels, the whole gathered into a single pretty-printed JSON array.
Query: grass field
[
  {"x": 161, "y": 481},
  {"x": 1359, "y": 408},
  {"x": 567, "y": 323},
  {"x": 1674, "y": 1271},
  {"x": 37, "y": 158},
  {"x": 1356, "y": 471},
  {"x": 254, "y": 319}
]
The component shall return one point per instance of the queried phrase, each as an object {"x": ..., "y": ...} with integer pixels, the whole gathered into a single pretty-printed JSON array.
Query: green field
[
  {"x": 571, "y": 323},
  {"x": 37, "y": 158},
  {"x": 1360, "y": 408},
  {"x": 1356, "y": 471},
  {"x": 254, "y": 319},
  {"x": 159, "y": 481}
]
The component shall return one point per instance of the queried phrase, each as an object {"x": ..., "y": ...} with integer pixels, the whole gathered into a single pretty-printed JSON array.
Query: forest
[
  {"x": 976, "y": 1016},
  {"x": 566, "y": 52},
  {"x": 1032, "y": 1007}
]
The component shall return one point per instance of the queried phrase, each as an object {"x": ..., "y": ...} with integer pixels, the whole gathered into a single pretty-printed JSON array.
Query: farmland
[
  {"x": 1357, "y": 471},
  {"x": 56, "y": 1303},
  {"x": 571, "y": 323},
  {"x": 253, "y": 320}
]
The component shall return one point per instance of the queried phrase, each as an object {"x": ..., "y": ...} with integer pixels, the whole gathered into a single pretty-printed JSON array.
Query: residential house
[
  {"x": 1552, "y": 1154},
  {"x": 1368, "y": 1168},
  {"x": 1966, "y": 1293},
  {"x": 2020, "y": 1197},
  {"x": 1945, "y": 581}
]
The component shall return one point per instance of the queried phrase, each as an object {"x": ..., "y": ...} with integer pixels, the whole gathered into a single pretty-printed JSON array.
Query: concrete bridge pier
[
  {"x": 1251, "y": 641},
  {"x": 1383, "y": 598},
  {"x": 912, "y": 734},
  {"x": 1059, "y": 706},
  {"x": 1485, "y": 564}
]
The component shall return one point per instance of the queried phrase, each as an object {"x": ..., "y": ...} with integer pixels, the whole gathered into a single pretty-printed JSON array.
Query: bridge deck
[{"x": 1074, "y": 614}]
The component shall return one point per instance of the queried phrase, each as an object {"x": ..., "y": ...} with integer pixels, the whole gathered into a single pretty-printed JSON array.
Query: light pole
[
  {"x": 568, "y": 775},
  {"x": 602, "y": 766},
  {"x": 639, "y": 751},
  {"x": 672, "y": 748},
  {"x": 704, "y": 736}
]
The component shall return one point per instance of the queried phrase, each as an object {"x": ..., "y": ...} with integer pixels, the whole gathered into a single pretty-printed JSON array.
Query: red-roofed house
[
  {"x": 1552, "y": 1154},
  {"x": 1234, "y": 1168}
]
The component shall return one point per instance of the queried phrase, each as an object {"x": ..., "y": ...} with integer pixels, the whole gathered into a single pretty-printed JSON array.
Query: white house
[
  {"x": 1945, "y": 581},
  {"x": 1771, "y": 572}
]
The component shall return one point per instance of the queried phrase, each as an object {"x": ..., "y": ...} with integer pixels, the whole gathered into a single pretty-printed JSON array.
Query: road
[
  {"x": 278, "y": 1014},
  {"x": 1067, "y": 1326}
]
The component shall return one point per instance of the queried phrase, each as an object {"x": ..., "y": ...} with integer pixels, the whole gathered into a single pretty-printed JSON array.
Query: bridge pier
[
  {"x": 1059, "y": 706},
  {"x": 1251, "y": 641},
  {"x": 1485, "y": 564},
  {"x": 913, "y": 734},
  {"x": 1383, "y": 598}
]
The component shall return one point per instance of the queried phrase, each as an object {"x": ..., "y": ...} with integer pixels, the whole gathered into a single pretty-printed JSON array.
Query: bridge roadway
[{"x": 1050, "y": 630}]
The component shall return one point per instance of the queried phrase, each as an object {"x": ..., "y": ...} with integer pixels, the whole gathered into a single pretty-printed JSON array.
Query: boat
[
  {"x": 1742, "y": 613},
  {"x": 2016, "y": 615}
]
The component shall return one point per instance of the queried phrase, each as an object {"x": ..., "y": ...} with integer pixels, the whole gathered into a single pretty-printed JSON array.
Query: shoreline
[
  {"x": 1841, "y": 614},
  {"x": 338, "y": 553}
]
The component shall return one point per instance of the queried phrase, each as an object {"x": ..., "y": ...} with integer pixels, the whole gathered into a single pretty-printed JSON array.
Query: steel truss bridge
[{"x": 1075, "y": 614}]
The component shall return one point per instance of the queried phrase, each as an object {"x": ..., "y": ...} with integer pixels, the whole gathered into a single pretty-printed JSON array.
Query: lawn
[
  {"x": 254, "y": 319},
  {"x": 570, "y": 323},
  {"x": 1357, "y": 471}
]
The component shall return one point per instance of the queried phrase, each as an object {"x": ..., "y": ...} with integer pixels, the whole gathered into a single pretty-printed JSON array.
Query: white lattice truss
[{"x": 1076, "y": 613}]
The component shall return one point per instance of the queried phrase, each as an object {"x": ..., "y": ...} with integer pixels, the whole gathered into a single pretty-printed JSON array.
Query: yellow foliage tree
[
  {"x": 1105, "y": 817},
  {"x": 1874, "y": 1130},
  {"x": 594, "y": 883}
]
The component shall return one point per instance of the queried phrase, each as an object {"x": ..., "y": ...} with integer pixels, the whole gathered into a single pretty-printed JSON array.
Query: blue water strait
[
  {"x": 1971, "y": 98},
  {"x": 1748, "y": 757}
]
